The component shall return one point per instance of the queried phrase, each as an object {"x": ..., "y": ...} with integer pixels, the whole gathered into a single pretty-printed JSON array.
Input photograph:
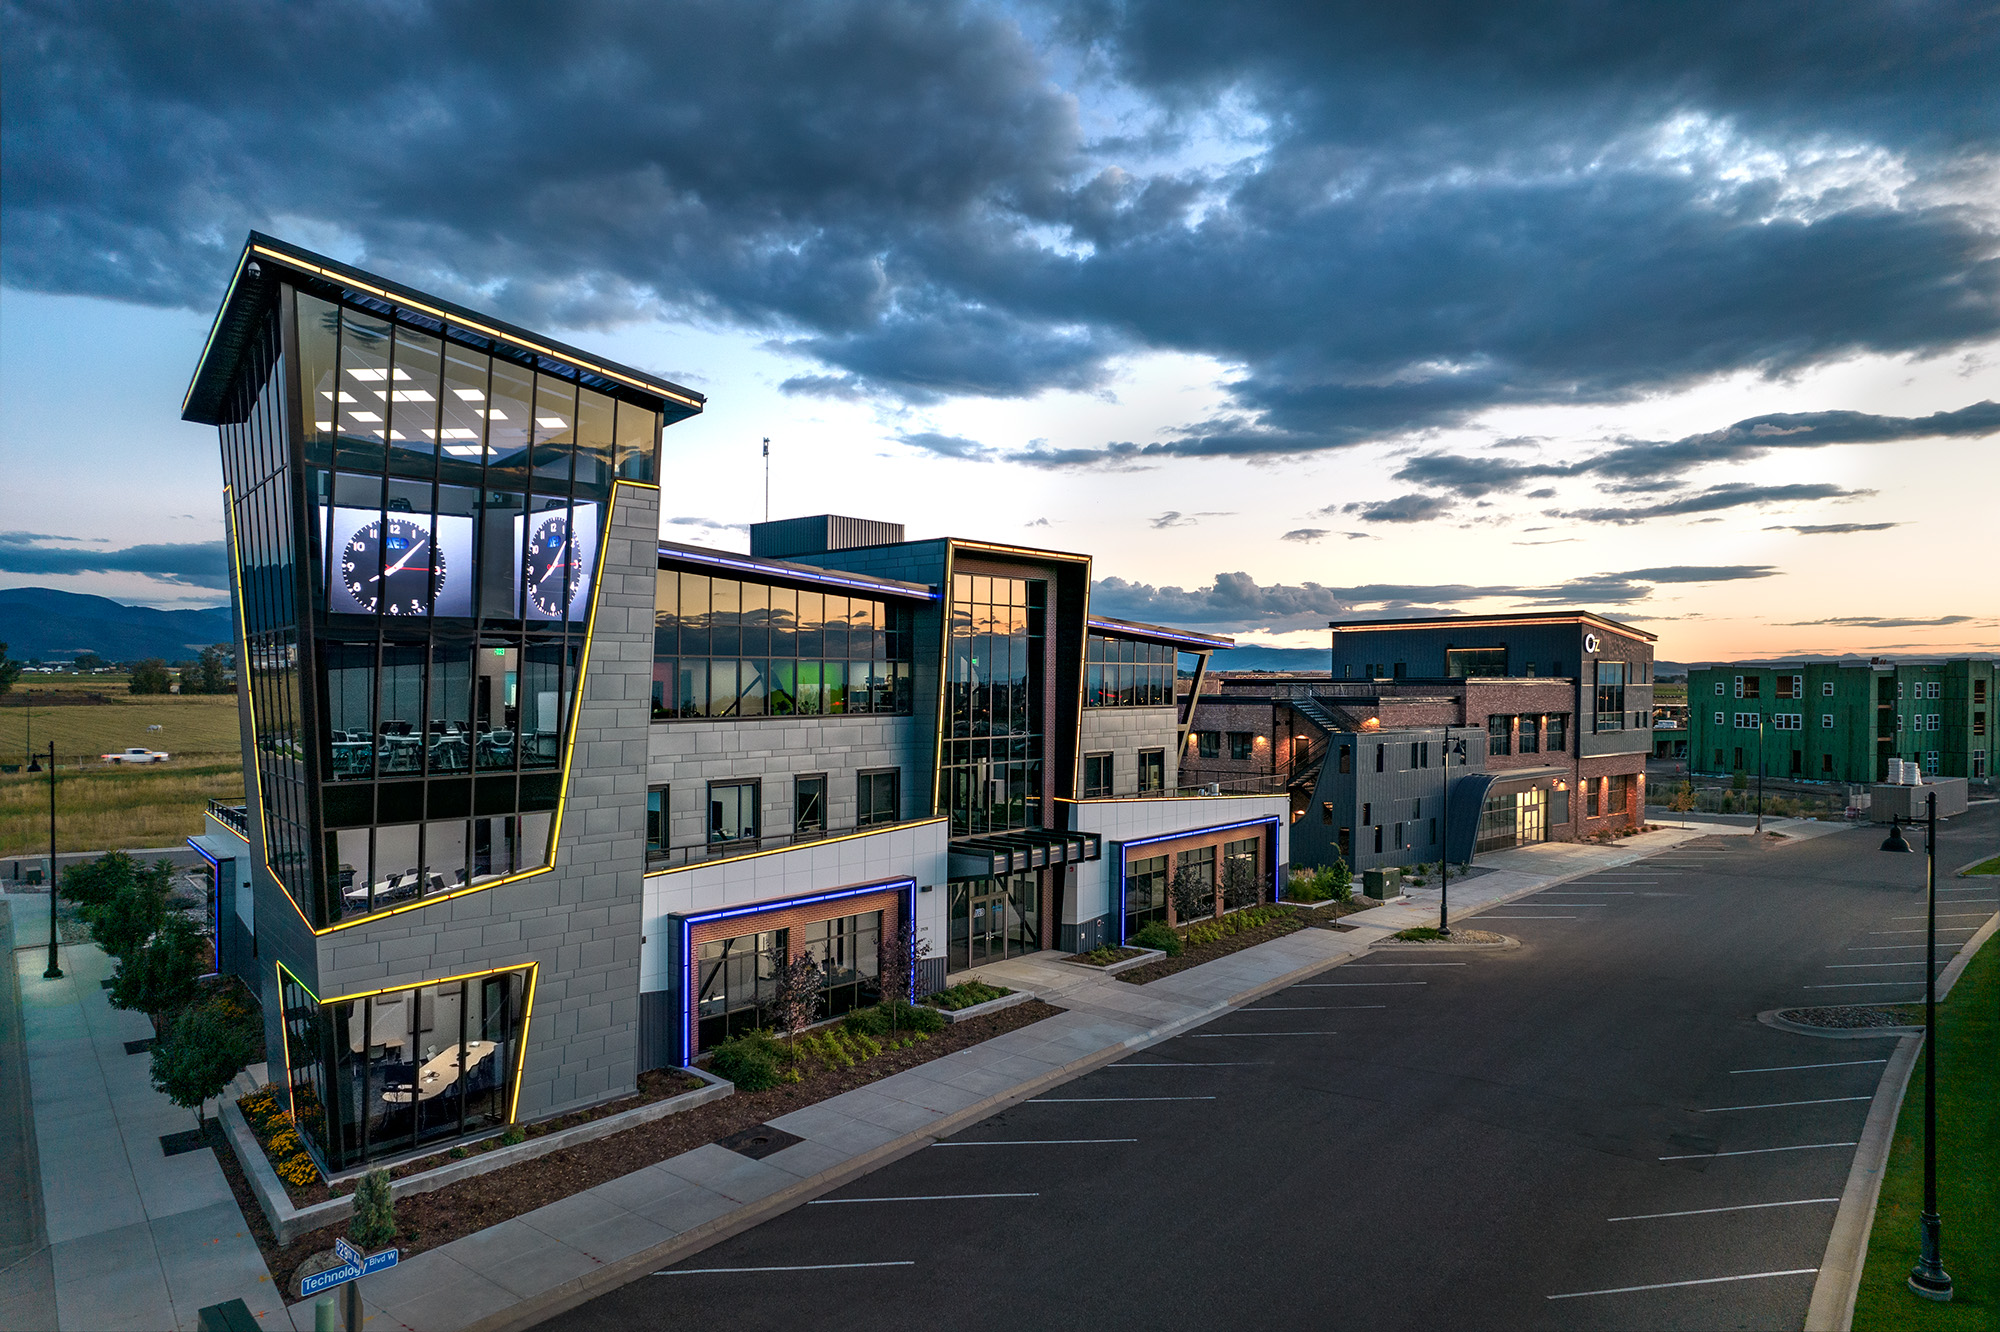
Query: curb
[
  {"x": 1507, "y": 943},
  {"x": 1960, "y": 872},
  {"x": 539, "y": 1308},
  {"x": 990, "y": 1006},
  {"x": 1769, "y": 1017},
  {"x": 1839, "y": 1280}
]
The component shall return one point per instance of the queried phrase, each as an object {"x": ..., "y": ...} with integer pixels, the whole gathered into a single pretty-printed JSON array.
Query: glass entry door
[
  {"x": 994, "y": 918},
  {"x": 1531, "y": 817}
]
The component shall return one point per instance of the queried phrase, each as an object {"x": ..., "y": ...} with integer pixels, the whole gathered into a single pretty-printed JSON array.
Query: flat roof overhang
[
  {"x": 1019, "y": 851},
  {"x": 676, "y": 554},
  {"x": 1486, "y": 621},
  {"x": 245, "y": 301},
  {"x": 1187, "y": 638}
]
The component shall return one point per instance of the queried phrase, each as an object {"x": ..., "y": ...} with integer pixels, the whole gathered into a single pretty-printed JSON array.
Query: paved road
[{"x": 1413, "y": 1142}]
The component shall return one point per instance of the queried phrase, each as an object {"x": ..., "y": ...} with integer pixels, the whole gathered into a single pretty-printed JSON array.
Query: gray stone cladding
[
  {"x": 1122, "y": 733},
  {"x": 685, "y": 756},
  {"x": 581, "y": 921}
]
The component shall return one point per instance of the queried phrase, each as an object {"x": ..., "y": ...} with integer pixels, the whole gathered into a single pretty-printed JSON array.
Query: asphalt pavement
[{"x": 1593, "y": 1130}]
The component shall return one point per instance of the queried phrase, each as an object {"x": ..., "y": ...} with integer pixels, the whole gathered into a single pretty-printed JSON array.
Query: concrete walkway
[{"x": 133, "y": 1238}]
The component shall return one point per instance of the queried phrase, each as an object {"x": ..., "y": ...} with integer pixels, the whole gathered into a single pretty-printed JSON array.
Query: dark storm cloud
[
  {"x": 193, "y": 564},
  {"x": 1638, "y": 465},
  {"x": 1734, "y": 495},
  {"x": 1236, "y": 600},
  {"x": 1834, "y": 529},
  {"x": 1446, "y": 208}
]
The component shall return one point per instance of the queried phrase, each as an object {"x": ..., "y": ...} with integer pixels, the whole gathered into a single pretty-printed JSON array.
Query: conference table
[{"x": 439, "y": 1072}]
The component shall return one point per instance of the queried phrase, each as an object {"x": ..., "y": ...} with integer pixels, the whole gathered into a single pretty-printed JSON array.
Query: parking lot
[{"x": 1592, "y": 1130}]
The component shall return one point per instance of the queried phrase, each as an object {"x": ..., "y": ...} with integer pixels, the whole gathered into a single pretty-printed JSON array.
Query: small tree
[
  {"x": 1683, "y": 800},
  {"x": 161, "y": 976},
  {"x": 901, "y": 951},
  {"x": 795, "y": 1005},
  {"x": 1193, "y": 893},
  {"x": 134, "y": 914},
  {"x": 374, "y": 1222},
  {"x": 93, "y": 883},
  {"x": 1242, "y": 885},
  {"x": 203, "y": 1049},
  {"x": 150, "y": 677},
  {"x": 1340, "y": 878},
  {"x": 9, "y": 670}
]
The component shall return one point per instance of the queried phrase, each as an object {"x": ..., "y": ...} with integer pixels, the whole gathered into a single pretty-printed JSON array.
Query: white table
[{"x": 440, "y": 1071}]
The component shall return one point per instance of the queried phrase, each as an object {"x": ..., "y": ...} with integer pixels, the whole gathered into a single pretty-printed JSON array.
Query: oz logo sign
[{"x": 1590, "y": 642}]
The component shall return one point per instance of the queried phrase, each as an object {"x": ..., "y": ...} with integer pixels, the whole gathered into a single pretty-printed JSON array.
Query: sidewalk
[
  {"x": 525, "y": 1270},
  {"x": 135, "y": 1238}
]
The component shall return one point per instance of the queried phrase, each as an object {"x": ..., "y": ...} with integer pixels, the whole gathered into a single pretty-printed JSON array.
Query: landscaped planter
[
  {"x": 990, "y": 1006},
  {"x": 289, "y": 1222},
  {"x": 1140, "y": 959}
]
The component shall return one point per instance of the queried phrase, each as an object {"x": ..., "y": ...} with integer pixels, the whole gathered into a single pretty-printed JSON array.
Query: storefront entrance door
[{"x": 993, "y": 919}]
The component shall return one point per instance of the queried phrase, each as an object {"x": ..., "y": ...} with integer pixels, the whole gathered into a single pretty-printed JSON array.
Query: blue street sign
[
  {"x": 350, "y": 1271},
  {"x": 348, "y": 1254}
]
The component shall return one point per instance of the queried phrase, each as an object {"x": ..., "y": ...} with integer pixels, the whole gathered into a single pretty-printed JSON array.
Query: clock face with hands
[
  {"x": 555, "y": 565},
  {"x": 392, "y": 565}
]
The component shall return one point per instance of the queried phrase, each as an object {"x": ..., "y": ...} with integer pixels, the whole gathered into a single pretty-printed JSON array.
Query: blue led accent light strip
[
  {"x": 215, "y": 926},
  {"x": 796, "y": 574},
  {"x": 1119, "y": 848},
  {"x": 683, "y": 1051},
  {"x": 1164, "y": 635}
]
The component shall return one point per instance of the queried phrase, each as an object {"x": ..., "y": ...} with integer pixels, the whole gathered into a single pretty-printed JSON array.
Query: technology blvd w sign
[{"x": 354, "y": 1265}]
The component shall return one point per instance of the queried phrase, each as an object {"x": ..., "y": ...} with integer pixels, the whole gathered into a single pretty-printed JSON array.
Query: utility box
[
  {"x": 1893, "y": 801},
  {"x": 1382, "y": 884}
]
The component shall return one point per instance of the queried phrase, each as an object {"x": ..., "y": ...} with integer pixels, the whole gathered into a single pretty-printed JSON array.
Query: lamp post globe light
[
  {"x": 54, "y": 971},
  {"x": 1928, "y": 1278}
]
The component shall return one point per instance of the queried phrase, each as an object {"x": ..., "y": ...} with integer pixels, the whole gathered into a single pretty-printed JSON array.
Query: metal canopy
[{"x": 1021, "y": 850}]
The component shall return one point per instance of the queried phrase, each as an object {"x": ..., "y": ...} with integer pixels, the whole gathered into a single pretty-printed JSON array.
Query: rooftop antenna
[{"x": 767, "y": 478}]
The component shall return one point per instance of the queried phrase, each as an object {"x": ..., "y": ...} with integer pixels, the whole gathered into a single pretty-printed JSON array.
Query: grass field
[
  {"x": 110, "y": 809},
  {"x": 1968, "y": 1166},
  {"x": 199, "y": 725}
]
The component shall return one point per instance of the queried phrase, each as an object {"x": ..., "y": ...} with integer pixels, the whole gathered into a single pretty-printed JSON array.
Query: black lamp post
[
  {"x": 1760, "y": 773},
  {"x": 1928, "y": 1278},
  {"x": 54, "y": 971}
]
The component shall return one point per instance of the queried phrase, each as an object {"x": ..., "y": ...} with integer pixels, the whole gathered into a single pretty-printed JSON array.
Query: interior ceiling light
[
  {"x": 470, "y": 395},
  {"x": 551, "y": 422},
  {"x": 413, "y": 395}
]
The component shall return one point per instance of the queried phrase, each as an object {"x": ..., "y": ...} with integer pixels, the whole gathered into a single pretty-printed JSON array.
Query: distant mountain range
[{"x": 42, "y": 624}]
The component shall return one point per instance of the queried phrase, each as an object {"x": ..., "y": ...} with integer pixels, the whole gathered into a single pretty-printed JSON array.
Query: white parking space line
[
  {"x": 1033, "y": 1142},
  {"x": 801, "y": 1267},
  {"x": 1942, "y": 929},
  {"x": 1708, "y": 1211},
  {"x": 1365, "y": 965},
  {"x": 1230, "y": 1063},
  {"x": 1703, "y": 1281},
  {"x": 1752, "y": 1151},
  {"x": 1793, "y": 1068},
  {"x": 1536, "y": 917},
  {"x": 1857, "y": 966},
  {"x": 1885, "y": 948},
  {"x": 1351, "y": 985},
  {"x": 1861, "y": 985},
  {"x": 1093, "y": 1100},
  {"x": 1782, "y": 1105},
  {"x": 927, "y": 1197},
  {"x": 1594, "y": 892},
  {"x": 1956, "y": 915},
  {"x": 1312, "y": 1008},
  {"x": 1224, "y": 1035}
]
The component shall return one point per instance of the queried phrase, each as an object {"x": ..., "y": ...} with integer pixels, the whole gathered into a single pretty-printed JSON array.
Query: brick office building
[{"x": 1546, "y": 717}]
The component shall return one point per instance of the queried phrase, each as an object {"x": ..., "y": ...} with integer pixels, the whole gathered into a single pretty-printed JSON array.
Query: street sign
[{"x": 350, "y": 1270}]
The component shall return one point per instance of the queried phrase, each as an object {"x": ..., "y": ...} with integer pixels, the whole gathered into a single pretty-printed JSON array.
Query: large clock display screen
[
  {"x": 400, "y": 564},
  {"x": 554, "y": 551}
]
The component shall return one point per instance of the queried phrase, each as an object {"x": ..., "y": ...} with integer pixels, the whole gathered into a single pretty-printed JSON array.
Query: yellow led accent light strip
[
  {"x": 797, "y": 846},
  {"x": 946, "y": 601},
  {"x": 460, "y": 321}
]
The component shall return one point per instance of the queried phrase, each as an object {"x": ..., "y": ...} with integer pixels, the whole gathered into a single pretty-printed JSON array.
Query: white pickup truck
[{"x": 136, "y": 754}]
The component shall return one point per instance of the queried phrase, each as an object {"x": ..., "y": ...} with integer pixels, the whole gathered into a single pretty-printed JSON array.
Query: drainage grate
[
  {"x": 139, "y": 1047},
  {"x": 759, "y": 1142},
  {"x": 176, "y": 1144}
]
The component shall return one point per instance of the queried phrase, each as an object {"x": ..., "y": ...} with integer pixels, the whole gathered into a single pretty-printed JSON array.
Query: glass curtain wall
[
  {"x": 1145, "y": 893},
  {"x": 383, "y": 1075},
  {"x": 257, "y": 466},
  {"x": 991, "y": 768},
  {"x": 459, "y": 489},
  {"x": 730, "y": 647},
  {"x": 1125, "y": 673},
  {"x": 992, "y": 919}
]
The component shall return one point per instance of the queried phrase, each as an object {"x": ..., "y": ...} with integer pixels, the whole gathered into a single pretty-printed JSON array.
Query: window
[
  {"x": 878, "y": 798},
  {"x": 1618, "y": 793},
  {"x": 1096, "y": 775},
  {"x": 1208, "y": 744},
  {"x": 1345, "y": 840},
  {"x": 1787, "y": 721},
  {"x": 1933, "y": 689},
  {"x": 1718, "y": 689},
  {"x": 1739, "y": 687},
  {"x": 1240, "y": 743},
  {"x": 1474, "y": 663},
  {"x": 1434, "y": 823},
  {"x": 1591, "y": 796},
  {"x": 1530, "y": 673},
  {"x": 1752, "y": 686},
  {"x": 1826, "y": 721},
  {"x": 1718, "y": 719},
  {"x": 734, "y": 980},
  {"x": 1367, "y": 813},
  {"x": 996, "y": 660},
  {"x": 728, "y": 648},
  {"x": 1979, "y": 691},
  {"x": 1826, "y": 688},
  {"x": 1499, "y": 735},
  {"x": 656, "y": 820},
  {"x": 1791, "y": 686},
  {"x": 1380, "y": 757},
  {"x": 732, "y": 811},
  {"x": 1738, "y": 765},
  {"x": 1555, "y": 734},
  {"x": 1248, "y": 851},
  {"x": 1399, "y": 844},
  {"x": 1125, "y": 673},
  {"x": 849, "y": 953},
  {"x": 1347, "y": 758},
  {"x": 1152, "y": 769},
  {"x": 1378, "y": 838},
  {"x": 1326, "y": 812},
  {"x": 1145, "y": 893},
  {"x": 1610, "y": 695},
  {"x": 1748, "y": 721},
  {"x": 1420, "y": 754},
  {"x": 1826, "y": 763},
  {"x": 1531, "y": 735},
  {"x": 1931, "y": 761},
  {"x": 809, "y": 805},
  {"x": 1979, "y": 723}
]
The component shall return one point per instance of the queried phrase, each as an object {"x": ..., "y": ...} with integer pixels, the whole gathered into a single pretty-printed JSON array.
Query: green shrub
[
  {"x": 374, "y": 1221},
  {"x": 1740, "y": 782},
  {"x": 1341, "y": 879},
  {"x": 1309, "y": 886},
  {"x": 964, "y": 995},
  {"x": 882, "y": 1019},
  {"x": 750, "y": 1061},
  {"x": 1159, "y": 935}
]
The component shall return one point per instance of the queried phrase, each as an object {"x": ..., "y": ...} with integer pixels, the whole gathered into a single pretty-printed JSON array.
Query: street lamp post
[
  {"x": 1444, "y": 845},
  {"x": 54, "y": 971},
  {"x": 1760, "y": 773},
  {"x": 1928, "y": 1278}
]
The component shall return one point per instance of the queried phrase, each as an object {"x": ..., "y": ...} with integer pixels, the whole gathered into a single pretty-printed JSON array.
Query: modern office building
[
  {"x": 1842, "y": 721},
  {"x": 1547, "y": 719},
  {"x": 533, "y": 797}
]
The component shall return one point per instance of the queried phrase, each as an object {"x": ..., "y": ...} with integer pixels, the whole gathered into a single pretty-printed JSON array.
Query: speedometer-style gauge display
[{"x": 392, "y": 565}]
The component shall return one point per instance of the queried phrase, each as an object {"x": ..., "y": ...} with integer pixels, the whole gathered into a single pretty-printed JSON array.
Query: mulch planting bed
[
  {"x": 1105, "y": 957},
  {"x": 427, "y": 1220},
  {"x": 1458, "y": 936},
  {"x": 1850, "y": 1017},
  {"x": 1299, "y": 918}
]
